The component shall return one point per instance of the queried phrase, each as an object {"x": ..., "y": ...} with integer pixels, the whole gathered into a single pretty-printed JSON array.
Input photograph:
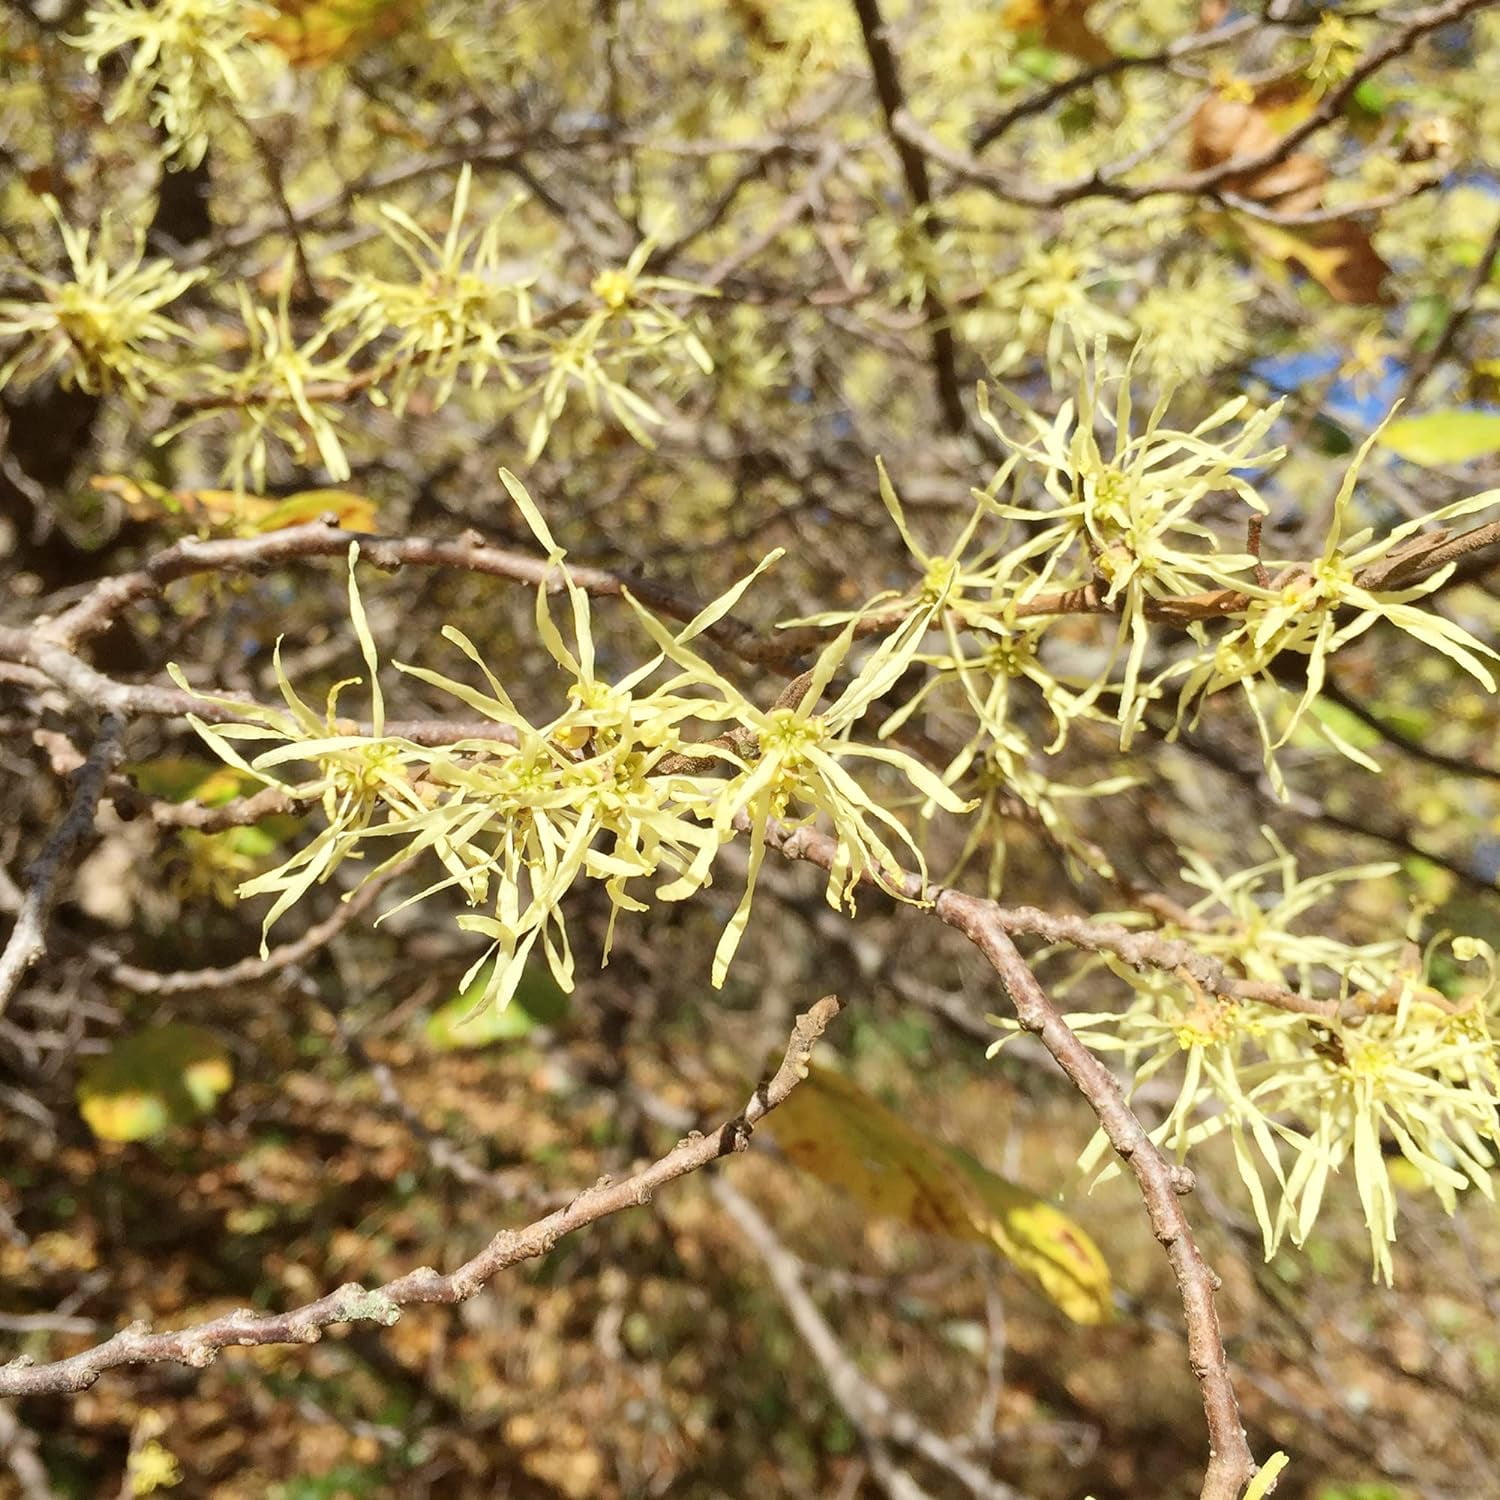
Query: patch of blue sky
[{"x": 1356, "y": 404}]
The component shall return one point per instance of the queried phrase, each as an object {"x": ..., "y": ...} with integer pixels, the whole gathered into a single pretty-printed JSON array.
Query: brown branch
[
  {"x": 1106, "y": 181},
  {"x": 1455, "y": 764},
  {"x": 1161, "y": 1182},
  {"x": 249, "y": 970},
  {"x": 1154, "y": 950},
  {"x": 322, "y": 538},
  {"x": 199, "y": 1345},
  {"x": 919, "y": 189},
  {"x": 28, "y": 938},
  {"x": 1039, "y": 103},
  {"x": 48, "y": 648},
  {"x": 1423, "y": 556},
  {"x": 38, "y": 650},
  {"x": 306, "y": 287},
  {"x": 1416, "y": 558},
  {"x": 1335, "y": 214},
  {"x": 788, "y": 214},
  {"x": 238, "y": 812}
]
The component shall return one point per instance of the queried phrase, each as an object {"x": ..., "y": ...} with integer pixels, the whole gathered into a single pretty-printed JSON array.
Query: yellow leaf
[
  {"x": 152, "y": 501},
  {"x": 163, "y": 1076},
  {"x": 1443, "y": 437},
  {"x": 311, "y": 33},
  {"x": 1044, "y": 1242},
  {"x": 232, "y": 510},
  {"x": 833, "y": 1129},
  {"x": 354, "y": 512}
]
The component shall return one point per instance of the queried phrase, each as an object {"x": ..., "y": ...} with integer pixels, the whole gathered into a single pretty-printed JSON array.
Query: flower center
[{"x": 614, "y": 288}]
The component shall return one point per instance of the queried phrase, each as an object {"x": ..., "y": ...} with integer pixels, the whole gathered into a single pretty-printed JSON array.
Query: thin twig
[
  {"x": 28, "y": 938},
  {"x": 1107, "y": 181},
  {"x": 1043, "y": 100},
  {"x": 876, "y": 1418},
  {"x": 48, "y": 648},
  {"x": 1454, "y": 764},
  {"x": 199, "y": 1345},
  {"x": 1423, "y": 364},
  {"x": 247, "y": 970},
  {"x": 919, "y": 188}
]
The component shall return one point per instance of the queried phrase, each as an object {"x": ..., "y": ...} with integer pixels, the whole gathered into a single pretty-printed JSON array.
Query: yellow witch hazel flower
[
  {"x": 641, "y": 778},
  {"x": 1421, "y": 1074},
  {"x": 287, "y": 390},
  {"x": 960, "y": 587},
  {"x": 965, "y": 593},
  {"x": 357, "y": 778},
  {"x": 997, "y": 763},
  {"x": 1334, "y": 48},
  {"x": 1315, "y": 612},
  {"x": 586, "y": 795},
  {"x": 186, "y": 57},
  {"x": 904, "y": 254},
  {"x": 954, "y": 588},
  {"x": 1249, "y": 922},
  {"x": 456, "y": 309},
  {"x": 1192, "y": 323},
  {"x": 794, "y": 765},
  {"x": 633, "y": 325},
  {"x": 1124, "y": 522},
  {"x": 102, "y": 327},
  {"x": 1046, "y": 305},
  {"x": 1300, "y": 1093}
]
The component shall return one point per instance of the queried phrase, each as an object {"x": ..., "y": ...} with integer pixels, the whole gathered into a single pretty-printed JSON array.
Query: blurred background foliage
[{"x": 672, "y": 268}]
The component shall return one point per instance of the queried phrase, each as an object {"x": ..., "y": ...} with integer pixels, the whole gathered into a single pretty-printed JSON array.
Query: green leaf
[
  {"x": 542, "y": 997},
  {"x": 179, "y": 778},
  {"x": 1427, "y": 315},
  {"x": 258, "y": 840},
  {"x": 1032, "y": 65},
  {"x": 461, "y": 1023},
  {"x": 1443, "y": 437},
  {"x": 146, "y": 1083}
]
